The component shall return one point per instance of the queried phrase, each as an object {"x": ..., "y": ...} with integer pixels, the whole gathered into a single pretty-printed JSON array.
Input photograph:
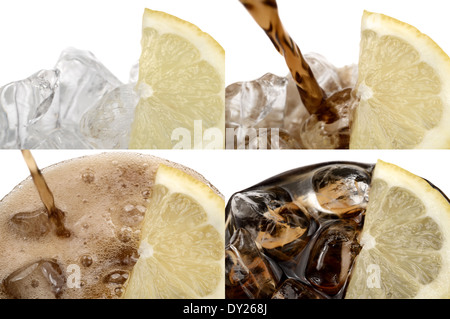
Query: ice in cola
[{"x": 248, "y": 273}]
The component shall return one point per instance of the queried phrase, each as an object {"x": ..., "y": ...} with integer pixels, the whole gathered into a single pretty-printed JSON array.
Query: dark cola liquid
[{"x": 296, "y": 235}]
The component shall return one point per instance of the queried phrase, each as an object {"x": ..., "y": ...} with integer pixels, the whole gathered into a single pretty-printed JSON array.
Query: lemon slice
[
  {"x": 403, "y": 86},
  {"x": 182, "y": 241},
  {"x": 405, "y": 239},
  {"x": 182, "y": 86}
]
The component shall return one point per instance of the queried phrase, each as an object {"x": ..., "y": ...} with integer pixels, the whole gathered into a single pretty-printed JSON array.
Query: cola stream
[
  {"x": 328, "y": 109},
  {"x": 54, "y": 214}
]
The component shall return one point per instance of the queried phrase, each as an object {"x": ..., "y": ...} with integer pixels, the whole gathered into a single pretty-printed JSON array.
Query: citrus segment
[
  {"x": 405, "y": 239},
  {"x": 182, "y": 241},
  {"x": 403, "y": 86},
  {"x": 181, "y": 80}
]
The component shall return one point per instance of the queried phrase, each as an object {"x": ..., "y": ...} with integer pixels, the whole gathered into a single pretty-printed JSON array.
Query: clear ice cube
[
  {"x": 83, "y": 81},
  {"x": 28, "y": 106},
  {"x": 342, "y": 189},
  {"x": 78, "y": 104},
  {"x": 43, "y": 279},
  {"x": 253, "y": 104},
  {"x": 108, "y": 123}
]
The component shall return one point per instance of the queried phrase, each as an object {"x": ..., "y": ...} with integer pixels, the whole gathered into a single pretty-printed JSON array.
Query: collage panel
[
  {"x": 340, "y": 225},
  {"x": 221, "y": 149},
  {"x": 110, "y": 224},
  {"x": 113, "y": 75}
]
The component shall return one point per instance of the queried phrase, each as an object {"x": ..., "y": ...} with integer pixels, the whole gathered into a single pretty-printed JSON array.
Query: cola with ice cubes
[{"x": 303, "y": 225}]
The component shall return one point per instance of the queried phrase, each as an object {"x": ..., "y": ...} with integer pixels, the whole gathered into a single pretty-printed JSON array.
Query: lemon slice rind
[{"x": 159, "y": 20}]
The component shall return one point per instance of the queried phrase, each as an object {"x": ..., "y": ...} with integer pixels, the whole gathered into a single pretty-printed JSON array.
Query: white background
[
  {"x": 33, "y": 33},
  {"x": 232, "y": 171}
]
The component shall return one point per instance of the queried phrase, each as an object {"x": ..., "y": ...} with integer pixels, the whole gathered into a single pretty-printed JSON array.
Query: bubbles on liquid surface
[
  {"x": 116, "y": 277},
  {"x": 88, "y": 176},
  {"x": 132, "y": 215}
]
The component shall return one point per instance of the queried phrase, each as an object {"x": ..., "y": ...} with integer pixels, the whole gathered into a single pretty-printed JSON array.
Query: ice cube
[
  {"x": 45, "y": 110},
  {"x": 285, "y": 231},
  {"x": 31, "y": 224},
  {"x": 248, "y": 273},
  {"x": 84, "y": 80},
  {"x": 282, "y": 228},
  {"x": 108, "y": 124},
  {"x": 332, "y": 256},
  {"x": 330, "y": 78},
  {"x": 60, "y": 138},
  {"x": 254, "y": 103},
  {"x": 42, "y": 279},
  {"x": 342, "y": 189},
  {"x": 294, "y": 289},
  {"x": 247, "y": 208},
  {"x": 329, "y": 127},
  {"x": 28, "y": 106}
]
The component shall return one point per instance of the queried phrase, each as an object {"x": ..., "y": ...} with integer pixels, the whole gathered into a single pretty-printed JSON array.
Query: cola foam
[{"x": 104, "y": 198}]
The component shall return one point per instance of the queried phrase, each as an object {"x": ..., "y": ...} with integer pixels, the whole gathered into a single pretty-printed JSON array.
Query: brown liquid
[
  {"x": 54, "y": 214},
  {"x": 265, "y": 13},
  {"x": 327, "y": 109}
]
